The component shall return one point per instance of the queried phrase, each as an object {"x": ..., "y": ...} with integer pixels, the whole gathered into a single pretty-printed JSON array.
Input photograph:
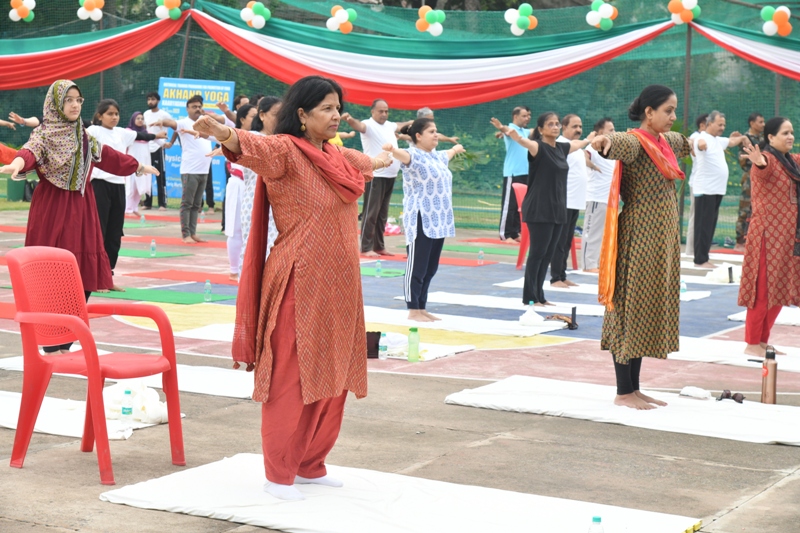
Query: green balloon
[
  {"x": 258, "y": 8},
  {"x": 525, "y": 10},
  {"x": 81, "y": 3},
  {"x": 431, "y": 17},
  {"x": 523, "y": 23},
  {"x": 440, "y": 16},
  {"x": 767, "y": 12},
  {"x": 606, "y": 24},
  {"x": 696, "y": 12},
  {"x": 29, "y": 17},
  {"x": 175, "y": 13},
  {"x": 596, "y": 4},
  {"x": 158, "y": 2},
  {"x": 351, "y": 14},
  {"x": 267, "y": 13}
]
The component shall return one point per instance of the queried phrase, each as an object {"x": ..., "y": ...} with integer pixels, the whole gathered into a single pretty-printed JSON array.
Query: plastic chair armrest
[
  {"x": 156, "y": 314},
  {"x": 73, "y": 323}
]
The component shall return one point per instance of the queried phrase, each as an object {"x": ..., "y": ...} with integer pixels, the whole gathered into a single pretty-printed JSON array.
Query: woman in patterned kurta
[
  {"x": 771, "y": 268},
  {"x": 306, "y": 331},
  {"x": 645, "y": 319}
]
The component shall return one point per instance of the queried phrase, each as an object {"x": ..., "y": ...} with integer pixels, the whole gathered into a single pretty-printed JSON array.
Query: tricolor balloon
[
  {"x": 683, "y": 11},
  {"x": 22, "y": 10},
  {"x": 431, "y": 20},
  {"x": 521, "y": 19},
  {"x": 341, "y": 19},
  {"x": 91, "y": 9},
  {"x": 256, "y": 14},
  {"x": 776, "y": 20},
  {"x": 168, "y": 9},
  {"x": 602, "y": 15}
]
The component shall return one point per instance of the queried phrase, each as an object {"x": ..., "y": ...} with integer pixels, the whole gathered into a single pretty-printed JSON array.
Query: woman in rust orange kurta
[
  {"x": 301, "y": 321},
  {"x": 771, "y": 268}
]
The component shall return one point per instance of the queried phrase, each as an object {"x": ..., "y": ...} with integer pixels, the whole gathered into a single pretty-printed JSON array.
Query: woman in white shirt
[
  {"x": 234, "y": 193},
  {"x": 136, "y": 186}
]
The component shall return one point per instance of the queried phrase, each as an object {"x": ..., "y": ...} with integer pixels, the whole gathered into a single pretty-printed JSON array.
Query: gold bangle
[{"x": 229, "y": 136}]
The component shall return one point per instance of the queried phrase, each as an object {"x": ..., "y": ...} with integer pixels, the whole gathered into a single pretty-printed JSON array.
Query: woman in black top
[{"x": 544, "y": 208}]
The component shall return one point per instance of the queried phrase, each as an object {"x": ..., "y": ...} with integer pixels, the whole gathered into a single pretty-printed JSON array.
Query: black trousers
[
  {"x": 376, "y": 211},
  {"x": 558, "y": 266},
  {"x": 543, "y": 240},
  {"x": 706, "y": 213},
  {"x": 628, "y": 376},
  {"x": 510, "y": 224},
  {"x": 110, "y": 199},
  {"x": 53, "y": 349},
  {"x": 421, "y": 266},
  {"x": 157, "y": 161},
  {"x": 209, "y": 190}
]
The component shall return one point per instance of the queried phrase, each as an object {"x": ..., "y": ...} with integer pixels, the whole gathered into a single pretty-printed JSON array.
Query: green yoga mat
[
  {"x": 133, "y": 224},
  {"x": 385, "y": 272},
  {"x": 161, "y": 296},
  {"x": 211, "y": 232},
  {"x": 145, "y": 254},
  {"x": 511, "y": 251}
]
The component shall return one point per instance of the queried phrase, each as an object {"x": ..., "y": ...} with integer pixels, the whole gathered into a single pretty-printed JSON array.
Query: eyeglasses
[
  {"x": 70, "y": 100},
  {"x": 553, "y": 125}
]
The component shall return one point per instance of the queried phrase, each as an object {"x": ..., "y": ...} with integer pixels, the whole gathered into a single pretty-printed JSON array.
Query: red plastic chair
[
  {"x": 51, "y": 310},
  {"x": 519, "y": 192}
]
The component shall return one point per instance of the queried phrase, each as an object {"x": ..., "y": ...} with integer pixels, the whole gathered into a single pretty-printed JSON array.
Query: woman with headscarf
[
  {"x": 300, "y": 316},
  {"x": 63, "y": 209},
  {"x": 136, "y": 186},
  {"x": 771, "y": 268}
]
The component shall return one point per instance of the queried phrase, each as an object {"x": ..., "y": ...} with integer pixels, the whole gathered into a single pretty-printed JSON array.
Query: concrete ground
[{"x": 403, "y": 426}]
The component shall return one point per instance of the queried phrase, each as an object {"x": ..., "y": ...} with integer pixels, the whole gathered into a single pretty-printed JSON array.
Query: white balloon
[
  {"x": 606, "y": 10},
  {"x": 436, "y": 29},
  {"x": 676, "y": 19},
  {"x": 341, "y": 16},
  {"x": 162, "y": 12},
  {"x": 689, "y": 4},
  {"x": 96, "y": 14},
  {"x": 511, "y": 16},
  {"x": 13, "y": 15},
  {"x": 769, "y": 28},
  {"x": 516, "y": 30},
  {"x": 259, "y": 22},
  {"x": 332, "y": 25},
  {"x": 30, "y": 4},
  {"x": 784, "y": 8},
  {"x": 593, "y": 18},
  {"x": 83, "y": 14},
  {"x": 247, "y": 14}
]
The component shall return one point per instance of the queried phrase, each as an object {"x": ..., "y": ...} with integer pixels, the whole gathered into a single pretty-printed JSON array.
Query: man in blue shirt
[{"x": 515, "y": 170}]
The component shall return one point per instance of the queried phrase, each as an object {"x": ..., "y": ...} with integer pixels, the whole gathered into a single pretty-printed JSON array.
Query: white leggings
[{"x": 233, "y": 219}]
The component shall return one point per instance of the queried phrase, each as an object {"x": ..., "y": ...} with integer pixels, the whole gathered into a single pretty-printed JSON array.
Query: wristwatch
[{"x": 140, "y": 170}]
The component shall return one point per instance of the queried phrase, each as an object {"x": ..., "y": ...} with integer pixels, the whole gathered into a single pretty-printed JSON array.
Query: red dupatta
[{"x": 663, "y": 157}]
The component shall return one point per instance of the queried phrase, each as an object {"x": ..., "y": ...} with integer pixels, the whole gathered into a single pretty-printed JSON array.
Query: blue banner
[{"x": 174, "y": 92}]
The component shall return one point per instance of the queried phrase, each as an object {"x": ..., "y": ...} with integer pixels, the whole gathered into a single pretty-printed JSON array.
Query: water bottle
[
  {"x": 207, "y": 291},
  {"x": 153, "y": 248},
  {"x": 413, "y": 345},
  {"x": 769, "y": 376},
  {"x": 531, "y": 307},
  {"x": 683, "y": 286},
  {"x": 597, "y": 525},
  {"x": 202, "y": 217},
  {"x": 141, "y": 220},
  {"x": 378, "y": 269},
  {"x": 126, "y": 413},
  {"x": 383, "y": 348},
  {"x": 480, "y": 256}
]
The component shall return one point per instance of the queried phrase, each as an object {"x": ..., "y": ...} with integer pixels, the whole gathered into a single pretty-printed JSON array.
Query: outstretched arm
[
  {"x": 401, "y": 125},
  {"x": 531, "y": 146},
  {"x": 753, "y": 153},
  {"x": 457, "y": 149},
  {"x": 580, "y": 145},
  {"x": 31, "y": 122},
  {"x": 451, "y": 140},
  {"x": 737, "y": 139},
  {"x": 398, "y": 153},
  {"x": 347, "y": 134},
  {"x": 354, "y": 123}
]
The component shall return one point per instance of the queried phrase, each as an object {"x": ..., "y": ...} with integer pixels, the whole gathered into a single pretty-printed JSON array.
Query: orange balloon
[
  {"x": 99, "y": 4},
  {"x": 334, "y": 9},
  {"x": 615, "y": 13},
  {"x": 675, "y": 6},
  {"x": 687, "y": 15},
  {"x": 169, "y": 4},
  {"x": 23, "y": 11},
  {"x": 88, "y": 5},
  {"x": 780, "y": 17},
  {"x": 423, "y": 10},
  {"x": 533, "y": 22},
  {"x": 422, "y": 25},
  {"x": 250, "y": 23},
  {"x": 16, "y": 4},
  {"x": 784, "y": 29},
  {"x": 346, "y": 27},
  {"x": 251, "y": 3}
]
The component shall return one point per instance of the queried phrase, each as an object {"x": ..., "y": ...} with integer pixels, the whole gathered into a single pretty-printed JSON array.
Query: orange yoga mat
[
  {"x": 178, "y": 275},
  {"x": 172, "y": 241},
  {"x": 442, "y": 260},
  {"x": 13, "y": 229},
  {"x": 9, "y": 310}
]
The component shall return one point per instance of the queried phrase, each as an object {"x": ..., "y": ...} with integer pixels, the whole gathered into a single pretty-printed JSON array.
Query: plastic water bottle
[
  {"x": 480, "y": 256},
  {"x": 126, "y": 413},
  {"x": 413, "y": 345},
  {"x": 683, "y": 287},
  {"x": 207, "y": 291},
  {"x": 153, "y": 248},
  {"x": 378, "y": 269},
  {"x": 142, "y": 221},
  {"x": 383, "y": 348},
  {"x": 531, "y": 307},
  {"x": 202, "y": 217},
  {"x": 597, "y": 525}
]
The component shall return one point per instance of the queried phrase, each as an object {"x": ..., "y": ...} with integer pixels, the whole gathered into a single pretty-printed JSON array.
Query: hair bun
[{"x": 634, "y": 111}]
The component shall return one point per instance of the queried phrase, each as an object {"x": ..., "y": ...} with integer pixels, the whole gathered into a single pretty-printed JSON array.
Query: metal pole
[
  {"x": 687, "y": 83},
  {"x": 102, "y": 76},
  {"x": 777, "y": 94},
  {"x": 186, "y": 43}
]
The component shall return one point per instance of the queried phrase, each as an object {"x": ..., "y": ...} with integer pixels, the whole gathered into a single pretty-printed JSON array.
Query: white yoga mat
[
  {"x": 730, "y": 353},
  {"x": 59, "y": 417},
  {"x": 486, "y": 326},
  {"x": 589, "y": 288},
  {"x": 513, "y": 304},
  {"x": 197, "y": 379},
  {"x": 376, "y": 502},
  {"x": 789, "y": 316},
  {"x": 720, "y": 258},
  {"x": 746, "y": 422}
]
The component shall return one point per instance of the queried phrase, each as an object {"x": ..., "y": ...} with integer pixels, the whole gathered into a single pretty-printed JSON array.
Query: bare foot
[
  {"x": 418, "y": 315},
  {"x": 560, "y": 285},
  {"x": 738, "y": 247},
  {"x": 550, "y": 304},
  {"x": 162, "y": 208},
  {"x": 570, "y": 283},
  {"x": 195, "y": 238},
  {"x": 756, "y": 350},
  {"x": 64, "y": 351},
  {"x": 632, "y": 401},
  {"x": 137, "y": 213},
  {"x": 427, "y": 314},
  {"x": 384, "y": 252},
  {"x": 539, "y": 304},
  {"x": 188, "y": 240},
  {"x": 370, "y": 254},
  {"x": 649, "y": 399},
  {"x": 117, "y": 288},
  {"x": 102, "y": 291},
  {"x": 592, "y": 270},
  {"x": 707, "y": 264},
  {"x": 233, "y": 277},
  {"x": 777, "y": 351},
  {"x": 516, "y": 239},
  {"x": 210, "y": 211}
]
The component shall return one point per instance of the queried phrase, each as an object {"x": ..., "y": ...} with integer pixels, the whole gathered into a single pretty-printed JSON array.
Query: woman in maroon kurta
[
  {"x": 63, "y": 210},
  {"x": 771, "y": 269}
]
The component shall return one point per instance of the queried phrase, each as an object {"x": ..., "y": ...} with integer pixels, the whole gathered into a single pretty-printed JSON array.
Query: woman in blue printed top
[{"x": 427, "y": 210}]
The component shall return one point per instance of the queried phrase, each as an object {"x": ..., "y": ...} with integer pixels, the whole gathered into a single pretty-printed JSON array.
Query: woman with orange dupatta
[
  {"x": 640, "y": 256},
  {"x": 300, "y": 316}
]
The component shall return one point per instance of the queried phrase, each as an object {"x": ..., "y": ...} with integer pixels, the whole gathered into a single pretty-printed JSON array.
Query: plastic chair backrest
[
  {"x": 47, "y": 280},
  {"x": 520, "y": 190}
]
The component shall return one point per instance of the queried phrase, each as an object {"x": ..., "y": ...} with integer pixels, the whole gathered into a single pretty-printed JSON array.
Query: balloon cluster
[
  {"x": 602, "y": 15},
  {"x": 430, "y": 20},
  {"x": 341, "y": 19},
  {"x": 683, "y": 11},
  {"x": 256, "y": 14},
  {"x": 168, "y": 9},
  {"x": 22, "y": 10},
  {"x": 521, "y": 19},
  {"x": 92, "y": 9},
  {"x": 776, "y": 20}
]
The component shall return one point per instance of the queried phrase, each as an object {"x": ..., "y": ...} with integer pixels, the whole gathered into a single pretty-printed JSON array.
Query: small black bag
[{"x": 373, "y": 340}]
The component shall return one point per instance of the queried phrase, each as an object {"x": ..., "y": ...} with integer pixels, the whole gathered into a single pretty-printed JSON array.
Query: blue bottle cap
[{"x": 596, "y": 520}]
